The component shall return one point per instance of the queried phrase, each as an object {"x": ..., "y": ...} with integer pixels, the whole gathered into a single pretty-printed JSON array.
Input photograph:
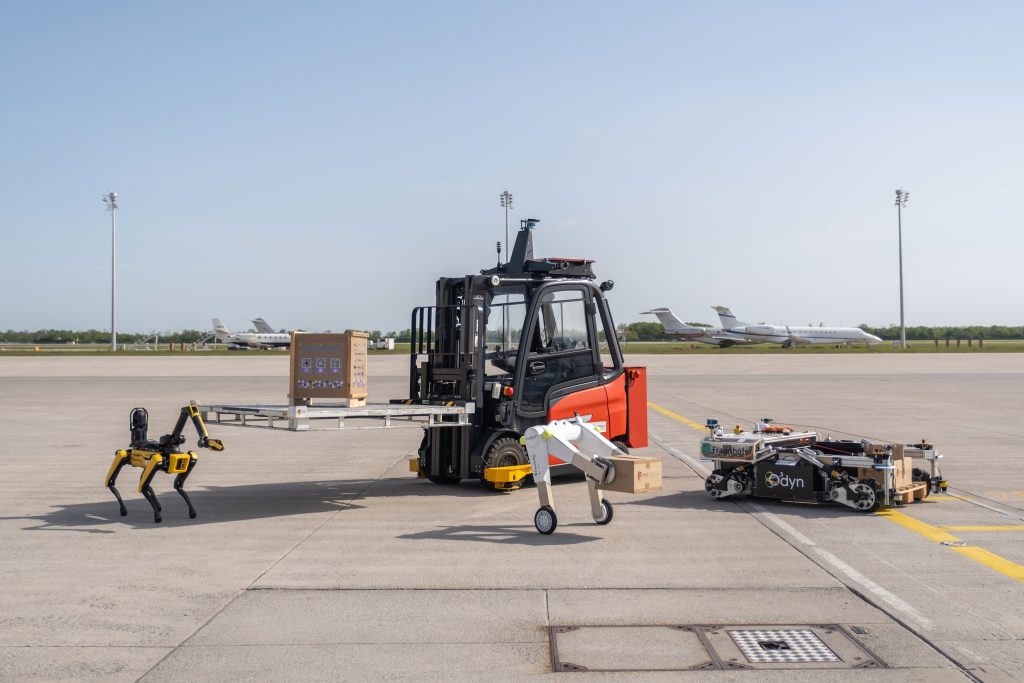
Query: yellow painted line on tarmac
[
  {"x": 675, "y": 416},
  {"x": 993, "y": 561},
  {"x": 938, "y": 535},
  {"x": 1003, "y": 527},
  {"x": 932, "y": 533}
]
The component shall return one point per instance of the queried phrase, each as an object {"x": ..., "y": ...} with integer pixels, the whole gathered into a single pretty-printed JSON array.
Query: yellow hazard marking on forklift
[
  {"x": 668, "y": 413},
  {"x": 938, "y": 535},
  {"x": 506, "y": 475},
  {"x": 1004, "y": 527}
]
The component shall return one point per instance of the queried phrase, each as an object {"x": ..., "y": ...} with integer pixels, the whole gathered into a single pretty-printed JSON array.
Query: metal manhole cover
[
  {"x": 692, "y": 647},
  {"x": 782, "y": 646},
  {"x": 788, "y": 646},
  {"x": 628, "y": 648}
]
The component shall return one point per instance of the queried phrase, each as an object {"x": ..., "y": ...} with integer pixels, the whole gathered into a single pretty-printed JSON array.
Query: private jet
[
  {"x": 715, "y": 336},
  {"x": 790, "y": 335},
  {"x": 250, "y": 340}
]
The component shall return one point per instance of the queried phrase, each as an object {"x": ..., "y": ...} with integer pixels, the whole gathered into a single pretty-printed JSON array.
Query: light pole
[
  {"x": 901, "y": 202},
  {"x": 110, "y": 199},
  {"x": 506, "y": 202}
]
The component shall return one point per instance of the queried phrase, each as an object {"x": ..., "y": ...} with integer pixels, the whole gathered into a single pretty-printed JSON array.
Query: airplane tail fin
[
  {"x": 667, "y": 318},
  {"x": 219, "y": 329},
  {"x": 727, "y": 318},
  {"x": 262, "y": 326}
]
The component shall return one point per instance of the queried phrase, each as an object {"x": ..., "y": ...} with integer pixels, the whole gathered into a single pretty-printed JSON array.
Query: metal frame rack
[{"x": 333, "y": 417}]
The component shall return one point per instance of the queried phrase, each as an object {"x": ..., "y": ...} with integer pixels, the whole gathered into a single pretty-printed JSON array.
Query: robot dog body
[{"x": 161, "y": 455}]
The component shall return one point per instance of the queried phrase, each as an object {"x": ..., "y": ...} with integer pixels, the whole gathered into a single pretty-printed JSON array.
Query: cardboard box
[
  {"x": 328, "y": 366},
  {"x": 635, "y": 475},
  {"x": 903, "y": 468}
]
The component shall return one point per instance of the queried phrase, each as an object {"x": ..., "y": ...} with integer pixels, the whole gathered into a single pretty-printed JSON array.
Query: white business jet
[{"x": 791, "y": 335}]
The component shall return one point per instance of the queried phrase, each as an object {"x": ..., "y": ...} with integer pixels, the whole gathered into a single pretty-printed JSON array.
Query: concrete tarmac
[{"x": 319, "y": 556}]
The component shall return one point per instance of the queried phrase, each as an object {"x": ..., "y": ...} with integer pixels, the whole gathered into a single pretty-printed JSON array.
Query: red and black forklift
[{"x": 529, "y": 341}]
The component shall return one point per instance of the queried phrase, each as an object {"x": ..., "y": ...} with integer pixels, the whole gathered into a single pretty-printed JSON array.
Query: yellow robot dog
[{"x": 160, "y": 455}]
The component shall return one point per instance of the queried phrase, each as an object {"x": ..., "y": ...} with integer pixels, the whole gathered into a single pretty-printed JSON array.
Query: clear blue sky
[{"x": 321, "y": 164}]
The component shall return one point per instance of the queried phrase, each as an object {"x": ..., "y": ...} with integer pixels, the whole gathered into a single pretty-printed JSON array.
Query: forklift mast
[{"x": 511, "y": 344}]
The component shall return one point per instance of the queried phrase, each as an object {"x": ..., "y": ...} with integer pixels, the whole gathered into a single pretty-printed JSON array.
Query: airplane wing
[
  {"x": 793, "y": 339},
  {"x": 733, "y": 339}
]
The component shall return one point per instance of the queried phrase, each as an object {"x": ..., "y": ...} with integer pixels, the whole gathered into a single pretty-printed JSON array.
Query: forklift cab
[{"x": 519, "y": 345}]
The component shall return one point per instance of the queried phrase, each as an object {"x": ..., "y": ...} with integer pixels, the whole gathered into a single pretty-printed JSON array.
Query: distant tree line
[
  {"x": 964, "y": 332},
  {"x": 93, "y": 337}
]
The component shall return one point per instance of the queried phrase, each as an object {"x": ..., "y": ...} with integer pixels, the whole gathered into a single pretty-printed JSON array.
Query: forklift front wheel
[
  {"x": 505, "y": 452},
  {"x": 546, "y": 520},
  {"x": 608, "y": 512}
]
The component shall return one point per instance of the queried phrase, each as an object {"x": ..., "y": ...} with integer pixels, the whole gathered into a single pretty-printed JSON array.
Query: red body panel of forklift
[
  {"x": 592, "y": 402},
  {"x": 636, "y": 406},
  {"x": 621, "y": 406}
]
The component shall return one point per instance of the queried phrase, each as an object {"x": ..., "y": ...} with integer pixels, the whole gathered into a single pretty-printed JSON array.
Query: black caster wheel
[
  {"x": 608, "y": 512},
  {"x": 545, "y": 520}
]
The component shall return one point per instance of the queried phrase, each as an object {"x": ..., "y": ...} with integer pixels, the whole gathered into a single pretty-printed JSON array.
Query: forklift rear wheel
[
  {"x": 608, "y": 512},
  {"x": 545, "y": 520},
  {"x": 621, "y": 445}
]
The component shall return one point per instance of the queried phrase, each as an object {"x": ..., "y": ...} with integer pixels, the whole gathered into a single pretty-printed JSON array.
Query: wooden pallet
[{"x": 911, "y": 493}]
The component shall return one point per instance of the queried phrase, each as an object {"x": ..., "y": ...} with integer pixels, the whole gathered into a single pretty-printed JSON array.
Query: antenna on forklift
[{"x": 499, "y": 253}]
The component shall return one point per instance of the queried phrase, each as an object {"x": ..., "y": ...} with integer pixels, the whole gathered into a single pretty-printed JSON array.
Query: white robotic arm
[{"x": 580, "y": 444}]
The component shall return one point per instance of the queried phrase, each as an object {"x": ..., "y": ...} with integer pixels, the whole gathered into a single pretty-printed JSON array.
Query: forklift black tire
[
  {"x": 504, "y": 452},
  {"x": 443, "y": 480},
  {"x": 608, "y": 512},
  {"x": 621, "y": 445},
  {"x": 545, "y": 520}
]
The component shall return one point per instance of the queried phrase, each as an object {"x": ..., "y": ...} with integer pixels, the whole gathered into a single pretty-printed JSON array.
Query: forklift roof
[{"x": 522, "y": 262}]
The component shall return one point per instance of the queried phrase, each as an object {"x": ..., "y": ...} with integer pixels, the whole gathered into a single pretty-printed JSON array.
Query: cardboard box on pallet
[
  {"x": 328, "y": 366},
  {"x": 634, "y": 474},
  {"x": 903, "y": 469}
]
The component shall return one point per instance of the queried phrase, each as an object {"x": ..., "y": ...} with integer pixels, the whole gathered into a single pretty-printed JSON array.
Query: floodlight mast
[
  {"x": 110, "y": 199},
  {"x": 506, "y": 202},
  {"x": 901, "y": 203}
]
